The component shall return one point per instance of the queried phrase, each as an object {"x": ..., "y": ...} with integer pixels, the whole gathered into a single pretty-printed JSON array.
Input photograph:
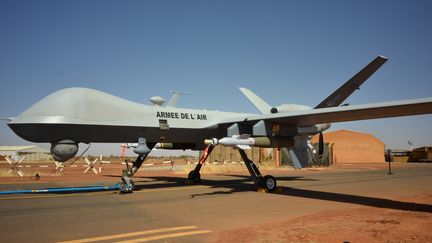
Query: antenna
[
  {"x": 175, "y": 97},
  {"x": 410, "y": 145}
]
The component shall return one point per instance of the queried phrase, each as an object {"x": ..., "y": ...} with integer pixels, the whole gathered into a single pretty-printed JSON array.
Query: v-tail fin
[
  {"x": 344, "y": 91},
  {"x": 259, "y": 103}
]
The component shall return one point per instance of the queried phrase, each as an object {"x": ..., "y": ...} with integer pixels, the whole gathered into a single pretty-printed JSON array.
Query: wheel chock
[
  {"x": 189, "y": 182},
  {"x": 265, "y": 190},
  {"x": 262, "y": 190}
]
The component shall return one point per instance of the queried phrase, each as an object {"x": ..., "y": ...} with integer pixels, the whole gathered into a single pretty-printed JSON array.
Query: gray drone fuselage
[{"x": 91, "y": 116}]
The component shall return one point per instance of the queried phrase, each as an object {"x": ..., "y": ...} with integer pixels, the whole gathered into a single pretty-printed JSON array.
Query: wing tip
[
  {"x": 7, "y": 119},
  {"x": 382, "y": 57}
]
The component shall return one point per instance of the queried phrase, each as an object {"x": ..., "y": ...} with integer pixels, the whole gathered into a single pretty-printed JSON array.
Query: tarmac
[{"x": 344, "y": 203}]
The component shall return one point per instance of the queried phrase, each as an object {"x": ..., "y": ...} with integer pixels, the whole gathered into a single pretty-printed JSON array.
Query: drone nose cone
[
  {"x": 9, "y": 119},
  {"x": 80, "y": 105},
  {"x": 70, "y": 113}
]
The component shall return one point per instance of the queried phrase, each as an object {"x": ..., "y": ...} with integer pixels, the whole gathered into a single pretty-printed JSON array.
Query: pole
[{"x": 389, "y": 163}]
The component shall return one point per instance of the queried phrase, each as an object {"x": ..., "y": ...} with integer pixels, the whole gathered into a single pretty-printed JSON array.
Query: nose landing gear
[{"x": 127, "y": 185}]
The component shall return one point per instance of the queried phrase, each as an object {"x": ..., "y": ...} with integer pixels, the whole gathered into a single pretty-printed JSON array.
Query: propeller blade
[
  {"x": 321, "y": 145},
  {"x": 289, "y": 152}
]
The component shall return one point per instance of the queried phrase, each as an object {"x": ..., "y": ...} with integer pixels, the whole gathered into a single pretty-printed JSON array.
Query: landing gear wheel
[
  {"x": 269, "y": 182},
  {"x": 127, "y": 186},
  {"x": 195, "y": 177}
]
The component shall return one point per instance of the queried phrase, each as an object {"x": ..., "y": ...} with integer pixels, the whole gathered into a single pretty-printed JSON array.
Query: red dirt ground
[{"x": 357, "y": 224}]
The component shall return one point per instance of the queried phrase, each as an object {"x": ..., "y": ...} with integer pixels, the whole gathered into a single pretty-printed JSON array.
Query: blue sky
[{"x": 286, "y": 51}]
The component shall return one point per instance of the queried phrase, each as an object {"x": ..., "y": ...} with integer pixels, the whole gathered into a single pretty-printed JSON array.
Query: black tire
[
  {"x": 133, "y": 185},
  {"x": 124, "y": 188},
  {"x": 191, "y": 175},
  {"x": 195, "y": 177},
  {"x": 269, "y": 182}
]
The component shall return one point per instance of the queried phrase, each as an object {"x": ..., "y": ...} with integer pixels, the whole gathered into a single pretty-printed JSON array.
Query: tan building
[
  {"x": 353, "y": 147},
  {"x": 31, "y": 153},
  {"x": 399, "y": 155},
  {"x": 422, "y": 154},
  {"x": 345, "y": 147},
  {"x": 222, "y": 154}
]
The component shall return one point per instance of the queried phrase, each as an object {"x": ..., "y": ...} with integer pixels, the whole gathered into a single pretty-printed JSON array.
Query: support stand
[
  {"x": 194, "y": 175},
  {"x": 59, "y": 168},
  {"x": 102, "y": 162},
  {"x": 14, "y": 165},
  {"x": 91, "y": 165}
]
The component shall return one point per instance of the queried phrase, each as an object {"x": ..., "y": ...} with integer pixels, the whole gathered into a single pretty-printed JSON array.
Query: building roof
[
  {"x": 344, "y": 131},
  {"x": 24, "y": 149},
  {"x": 424, "y": 148},
  {"x": 15, "y": 148},
  {"x": 399, "y": 150}
]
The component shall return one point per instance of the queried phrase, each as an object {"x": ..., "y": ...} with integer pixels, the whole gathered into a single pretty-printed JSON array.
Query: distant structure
[
  {"x": 353, "y": 147},
  {"x": 398, "y": 155},
  {"x": 342, "y": 146},
  {"x": 422, "y": 154},
  {"x": 31, "y": 153},
  {"x": 222, "y": 154}
]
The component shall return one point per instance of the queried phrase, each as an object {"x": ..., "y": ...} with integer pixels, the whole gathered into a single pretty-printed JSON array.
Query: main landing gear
[
  {"x": 268, "y": 182},
  {"x": 127, "y": 185}
]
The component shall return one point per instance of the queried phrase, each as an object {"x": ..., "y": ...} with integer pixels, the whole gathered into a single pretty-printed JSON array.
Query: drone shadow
[
  {"x": 355, "y": 199},
  {"x": 245, "y": 183}
]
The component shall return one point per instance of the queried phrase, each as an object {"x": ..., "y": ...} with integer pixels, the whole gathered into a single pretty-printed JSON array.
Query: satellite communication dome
[{"x": 157, "y": 100}]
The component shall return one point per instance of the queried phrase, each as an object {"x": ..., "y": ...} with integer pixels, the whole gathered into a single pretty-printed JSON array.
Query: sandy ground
[
  {"x": 112, "y": 171},
  {"x": 357, "y": 224}
]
